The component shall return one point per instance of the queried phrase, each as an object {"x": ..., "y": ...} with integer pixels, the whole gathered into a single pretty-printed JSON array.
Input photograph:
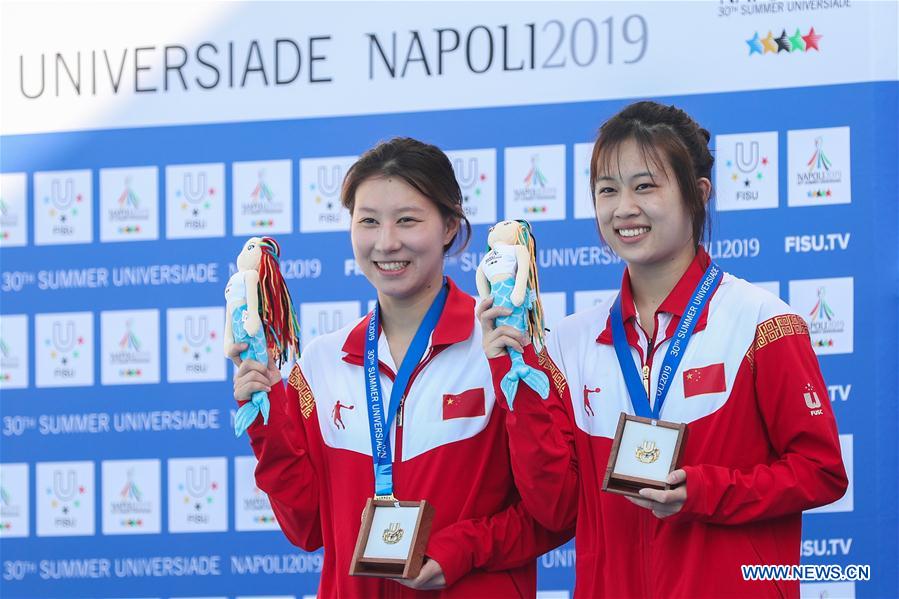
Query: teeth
[
  {"x": 633, "y": 232},
  {"x": 392, "y": 265}
]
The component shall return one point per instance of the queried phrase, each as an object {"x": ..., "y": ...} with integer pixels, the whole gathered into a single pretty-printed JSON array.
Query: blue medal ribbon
[
  {"x": 379, "y": 423},
  {"x": 676, "y": 349}
]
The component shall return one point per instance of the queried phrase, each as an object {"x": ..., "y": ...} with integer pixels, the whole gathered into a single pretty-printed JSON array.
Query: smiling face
[
  {"x": 398, "y": 237},
  {"x": 640, "y": 210}
]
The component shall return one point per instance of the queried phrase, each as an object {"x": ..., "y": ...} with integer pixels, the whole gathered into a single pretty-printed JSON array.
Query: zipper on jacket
[{"x": 432, "y": 353}]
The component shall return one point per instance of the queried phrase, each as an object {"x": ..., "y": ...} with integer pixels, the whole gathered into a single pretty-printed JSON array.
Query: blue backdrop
[{"x": 67, "y": 539}]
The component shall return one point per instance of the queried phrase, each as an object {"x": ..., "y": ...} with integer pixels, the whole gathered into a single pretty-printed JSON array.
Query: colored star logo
[
  {"x": 811, "y": 40},
  {"x": 755, "y": 45},
  {"x": 796, "y": 42},
  {"x": 769, "y": 44},
  {"x": 783, "y": 42},
  {"x": 764, "y": 161},
  {"x": 746, "y": 183}
]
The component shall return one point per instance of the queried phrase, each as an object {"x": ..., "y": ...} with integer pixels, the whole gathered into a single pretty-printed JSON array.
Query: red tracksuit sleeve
[
  {"x": 541, "y": 443},
  {"x": 285, "y": 471},
  {"x": 508, "y": 539},
  {"x": 808, "y": 471}
]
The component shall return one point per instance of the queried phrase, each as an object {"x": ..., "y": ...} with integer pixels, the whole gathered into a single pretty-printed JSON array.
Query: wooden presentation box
[
  {"x": 392, "y": 538},
  {"x": 643, "y": 453}
]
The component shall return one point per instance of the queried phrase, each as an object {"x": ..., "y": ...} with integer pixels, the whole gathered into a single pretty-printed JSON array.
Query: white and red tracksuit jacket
[
  {"x": 450, "y": 447},
  {"x": 762, "y": 444}
]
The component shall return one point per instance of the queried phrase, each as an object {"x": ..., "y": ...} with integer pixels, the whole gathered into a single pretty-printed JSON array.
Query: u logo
[
  {"x": 196, "y": 331},
  {"x": 194, "y": 193},
  {"x": 197, "y": 484},
  {"x": 65, "y": 489},
  {"x": 62, "y": 200}
]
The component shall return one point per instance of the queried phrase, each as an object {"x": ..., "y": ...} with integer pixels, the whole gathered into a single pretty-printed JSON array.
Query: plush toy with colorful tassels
[{"x": 260, "y": 313}]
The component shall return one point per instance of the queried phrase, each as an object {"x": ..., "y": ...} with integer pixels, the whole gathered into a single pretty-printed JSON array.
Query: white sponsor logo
[
  {"x": 131, "y": 492},
  {"x": 819, "y": 167},
  {"x": 129, "y": 344},
  {"x": 320, "y": 183},
  {"x": 476, "y": 173},
  {"x": 64, "y": 348},
  {"x": 14, "y": 351},
  {"x": 13, "y": 215},
  {"x": 198, "y": 494},
  {"x": 827, "y": 307},
  {"x": 261, "y": 198},
  {"x": 194, "y": 344},
  {"x": 195, "y": 200},
  {"x": 746, "y": 171},
  {"x": 14, "y": 500},
  {"x": 535, "y": 183},
  {"x": 65, "y": 498},
  {"x": 252, "y": 510},
  {"x": 129, "y": 204},
  {"x": 63, "y": 207}
]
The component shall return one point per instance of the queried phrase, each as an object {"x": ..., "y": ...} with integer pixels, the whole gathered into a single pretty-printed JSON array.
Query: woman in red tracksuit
[
  {"x": 449, "y": 444},
  {"x": 762, "y": 444}
]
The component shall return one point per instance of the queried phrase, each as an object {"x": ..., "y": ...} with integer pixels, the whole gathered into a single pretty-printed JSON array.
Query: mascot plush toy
[
  {"x": 509, "y": 273},
  {"x": 260, "y": 313}
]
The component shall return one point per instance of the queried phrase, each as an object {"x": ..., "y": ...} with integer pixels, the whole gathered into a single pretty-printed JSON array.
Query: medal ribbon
[
  {"x": 676, "y": 349},
  {"x": 379, "y": 425}
]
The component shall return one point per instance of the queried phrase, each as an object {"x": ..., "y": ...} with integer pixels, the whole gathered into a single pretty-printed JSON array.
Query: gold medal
[
  {"x": 392, "y": 534},
  {"x": 647, "y": 453}
]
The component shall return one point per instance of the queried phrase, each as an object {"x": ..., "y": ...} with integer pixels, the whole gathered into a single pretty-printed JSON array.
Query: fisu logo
[
  {"x": 196, "y": 331},
  {"x": 197, "y": 484},
  {"x": 746, "y": 163},
  {"x": 194, "y": 193},
  {"x": 62, "y": 200},
  {"x": 812, "y": 401},
  {"x": 64, "y": 341},
  {"x": 467, "y": 172},
  {"x": 329, "y": 321},
  {"x": 329, "y": 179},
  {"x": 66, "y": 488}
]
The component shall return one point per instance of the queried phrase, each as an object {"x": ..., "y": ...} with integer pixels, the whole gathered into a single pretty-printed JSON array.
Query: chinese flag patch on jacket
[
  {"x": 464, "y": 405},
  {"x": 708, "y": 379}
]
